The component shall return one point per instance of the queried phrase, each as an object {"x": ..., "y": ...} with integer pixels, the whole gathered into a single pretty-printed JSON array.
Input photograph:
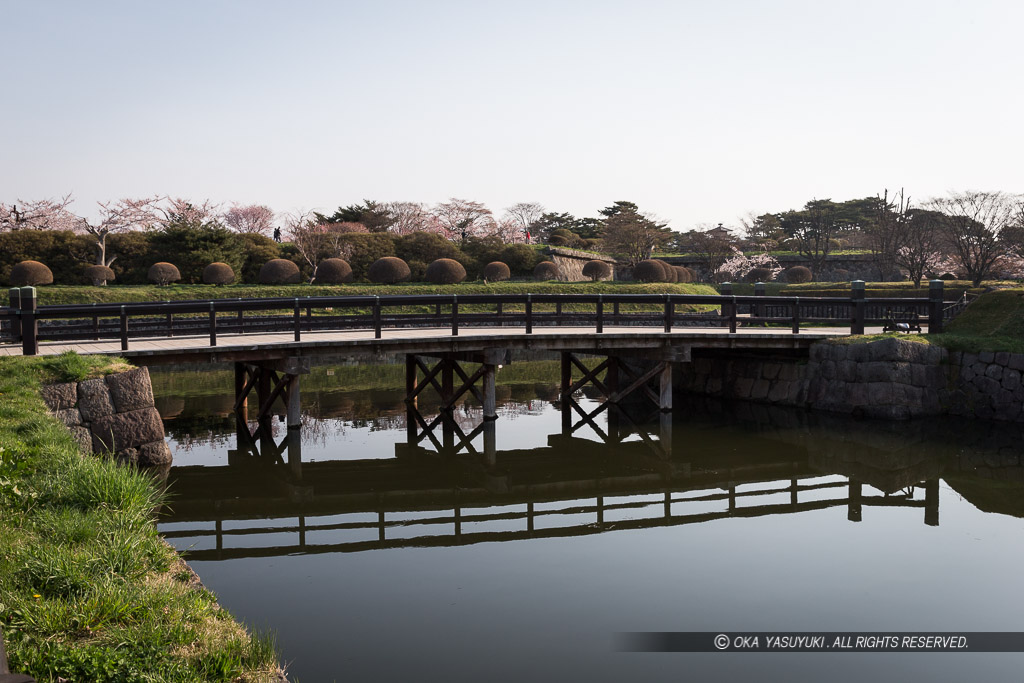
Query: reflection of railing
[
  {"x": 532, "y": 518},
  {"x": 21, "y": 320}
]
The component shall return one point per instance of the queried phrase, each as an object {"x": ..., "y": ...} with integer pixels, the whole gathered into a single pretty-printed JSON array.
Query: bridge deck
[{"x": 155, "y": 350}]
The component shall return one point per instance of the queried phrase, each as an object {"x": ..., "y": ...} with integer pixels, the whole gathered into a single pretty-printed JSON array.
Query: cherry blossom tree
[
  {"x": 524, "y": 216},
  {"x": 188, "y": 211},
  {"x": 40, "y": 214},
  {"x": 255, "y": 219},
  {"x": 121, "y": 216},
  {"x": 409, "y": 217},
  {"x": 462, "y": 218},
  {"x": 739, "y": 265}
]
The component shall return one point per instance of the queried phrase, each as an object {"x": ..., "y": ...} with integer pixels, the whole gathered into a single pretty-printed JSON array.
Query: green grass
[
  {"x": 131, "y": 293},
  {"x": 88, "y": 590}
]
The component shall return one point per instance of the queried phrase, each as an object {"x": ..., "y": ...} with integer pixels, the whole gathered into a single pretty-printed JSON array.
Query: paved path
[{"x": 360, "y": 338}]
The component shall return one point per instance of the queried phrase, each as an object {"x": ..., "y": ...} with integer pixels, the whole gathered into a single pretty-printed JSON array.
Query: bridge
[{"x": 454, "y": 343}]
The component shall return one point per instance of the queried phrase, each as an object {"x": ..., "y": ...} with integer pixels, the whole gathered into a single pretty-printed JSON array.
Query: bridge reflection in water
[{"x": 450, "y": 486}]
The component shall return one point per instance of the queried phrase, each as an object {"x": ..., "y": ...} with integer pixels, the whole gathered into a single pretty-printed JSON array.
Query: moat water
[{"x": 519, "y": 554}]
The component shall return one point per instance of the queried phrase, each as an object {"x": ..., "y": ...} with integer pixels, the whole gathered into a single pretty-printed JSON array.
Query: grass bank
[
  {"x": 88, "y": 590},
  {"x": 132, "y": 293},
  {"x": 953, "y": 289}
]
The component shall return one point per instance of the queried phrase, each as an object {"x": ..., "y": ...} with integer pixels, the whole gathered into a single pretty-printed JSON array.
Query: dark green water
[{"x": 521, "y": 558}]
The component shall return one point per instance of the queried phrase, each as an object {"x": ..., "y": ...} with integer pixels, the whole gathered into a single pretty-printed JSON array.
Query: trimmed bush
[
  {"x": 798, "y": 275},
  {"x": 558, "y": 241},
  {"x": 683, "y": 274},
  {"x": 30, "y": 274},
  {"x": 99, "y": 275},
  {"x": 388, "y": 271},
  {"x": 445, "y": 271},
  {"x": 280, "y": 271},
  {"x": 496, "y": 271},
  {"x": 649, "y": 271},
  {"x": 597, "y": 270},
  {"x": 218, "y": 273},
  {"x": 546, "y": 270},
  {"x": 163, "y": 273},
  {"x": 669, "y": 271},
  {"x": 333, "y": 271},
  {"x": 759, "y": 275},
  {"x": 521, "y": 258}
]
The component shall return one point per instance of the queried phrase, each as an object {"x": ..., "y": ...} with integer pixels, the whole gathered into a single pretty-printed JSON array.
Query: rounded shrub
[
  {"x": 30, "y": 274},
  {"x": 496, "y": 271},
  {"x": 163, "y": 273},
  {"x": 279, "y": 271},
  {"x": 798, "y": 275},
  {"x": 388, "y": 270},
  {"x": 669, "y": 271},
  {"x": 445, "y": 271},
  {"x": 683, "y": 274},
  {"x": 521, "y": 258},
  {"x": 558, "y": 241},
  {"x": 649, "y": 271},
  {"x": 947, "y": 276},
  {"x": 597, "y": 270},
  {"x": 546, "y": 270},
  {"x": 99, "y": 275},
  {"x": 333, "y": 271},
  {"x": 759, "y": 275},
  {"x": 218, "y": 273}
]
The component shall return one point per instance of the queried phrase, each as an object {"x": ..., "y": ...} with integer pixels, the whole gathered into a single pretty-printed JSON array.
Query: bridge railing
[{"x": 26, "y": 322}]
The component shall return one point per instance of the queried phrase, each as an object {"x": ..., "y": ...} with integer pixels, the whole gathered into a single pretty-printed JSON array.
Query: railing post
[
  {"x": 15, "y": 304},
  {"x": 600, "y": 313},
  {"x": 529, "y": 314},
  {"x": 29, "y": 323},
  {"x": 729, "y": 309},
  {"x": 124, "y": 328},
  {"x": 759, "y": 290},
  {"x": 732, "y": 316},
  {"x": 858, "y": 304},
  {"x": 213, "y": 325},
  {"x": 297, "y": 314},
  {"x": 669, "y": 306},
  {"x": 241, "y": 319},
  {"x": 935, "y": 301},
  {"x": 796, "y": 315},
  {"x": 455, "y": 315},
  {"x": 376, "y": 317}
]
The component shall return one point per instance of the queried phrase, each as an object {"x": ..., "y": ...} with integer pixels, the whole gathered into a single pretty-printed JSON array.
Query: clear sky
[{"x": 699, "y": 111}]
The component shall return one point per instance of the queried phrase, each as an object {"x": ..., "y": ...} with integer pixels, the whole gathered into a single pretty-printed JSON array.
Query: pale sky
[{"x": 698, "y": 111}]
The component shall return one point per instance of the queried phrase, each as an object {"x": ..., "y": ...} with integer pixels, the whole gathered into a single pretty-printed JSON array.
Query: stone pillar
[{"x": 490, "y": 399}]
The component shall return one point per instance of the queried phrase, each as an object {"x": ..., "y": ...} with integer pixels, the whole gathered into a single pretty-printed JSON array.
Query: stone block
[
  {"x": 714, "y": 386},
  {"x": 846, "y": 371},
  {"x": 742, "y": 386},
  {"x": 875, "y": 371},
  {"x": 919, "y": 375},
  {"x": 935, "y": 377},
  {"x": 130, "y": 390},
  {"x": 771, "y": 370},
  {"x": 83, "y": 437},
  {"x": 827, "y": 369},
  {"x": 760, "y": 389},
  {"x": 60, "y": 396},
  {"x": 127, "y": 430},
  {"x": 1016, "y": 361},
  {"x": 1002, "y": 358},
  {"x": 986, "y": 357},
  {"x": 994, "y": 371},
  {"x": 779, "y": 391},
  {"x": 858, "y": 394},
  {"x": 70, "y": 417},
  {"x": 887, "y": 412},
  {"x": 796, "y": 393},
  {"x": 857, "y": 352},
  {"x": 1011, "y": 379},
  {"x": 155, "y": 453},
  {"x": 986, "y": 385},
  {"x": 820, "y": 351},
  {"x": 880, "y": 393},
  {"x": 94, "y": 400},
  {"x": 790, "y": 372},
  {"x": 129, "y": 456},
  {"x": 967, "y": 373}
]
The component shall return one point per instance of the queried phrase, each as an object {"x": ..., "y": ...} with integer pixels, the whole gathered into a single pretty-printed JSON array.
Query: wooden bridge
[{"x": 453, "y": 343}]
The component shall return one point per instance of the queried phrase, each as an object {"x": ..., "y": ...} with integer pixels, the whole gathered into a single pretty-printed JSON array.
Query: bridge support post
[
  {"x": 490, "y": 394},
  {"x": 665, "y": 395},
  {"x": 241, "y": 396},
  {"x": 853, "y": 506},
  {"x": 294, "y": 405},
  {"x": 931, "y": 502}
]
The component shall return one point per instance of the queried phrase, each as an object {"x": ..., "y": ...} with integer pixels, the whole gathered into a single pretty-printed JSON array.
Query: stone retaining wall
[
  {"x": 893, "y": 379},
  {"x": 115, "y": 414}
]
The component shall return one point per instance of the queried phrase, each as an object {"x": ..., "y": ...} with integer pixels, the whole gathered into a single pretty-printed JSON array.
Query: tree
[
  {"x": 763, "y": 231},
  {"x": 374, "y": 215},
  {"x": 813, "y": 229},
  {"x": 584, "y": 228},
  {"x": 521, "y": 219},
  {"x": 409, "y": 217},
  {"x": 712, "y": 246},
  {"x": 973, "y": 225},
  {"x": 195, "y": 243},
  {"x": 461, "y": 218},
  {"x": 921, "y": 247},
  {"x": 40, "y": 214},
  {"x": 178, "y": 208},
  {"x": 632, "y": 234},
  {"x": 120, "y": 216},
  {"x": 253, "y": 219},
  {"x": 887, "y": 232}
]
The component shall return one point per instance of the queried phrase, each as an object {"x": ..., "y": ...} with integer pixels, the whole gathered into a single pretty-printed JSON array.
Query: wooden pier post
[
  {"x": 931, "y": 502},
  {"x": 29, "y": 324},
  {"x": 294, "y": 403},
  {"x": 240, "y": 380},
  {"x": 854, "y": 507},
  {"x": 665, "y": 395},
  {"x": 490, "y": 395}
]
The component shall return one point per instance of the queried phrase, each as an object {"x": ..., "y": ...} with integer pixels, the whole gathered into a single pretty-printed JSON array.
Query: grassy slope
[
  {"x": 88, "y": 590},
  {"x": 130, "y": 293}
]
